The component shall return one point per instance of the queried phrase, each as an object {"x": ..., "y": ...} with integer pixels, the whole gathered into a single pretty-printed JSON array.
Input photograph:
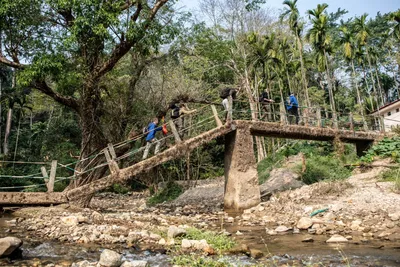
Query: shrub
[
  {"x": 217, "y": 241},
  {"x": 324, "y": 168},
  {"x": 387, "y": 148},
  {"x": 170, "y": 192}
]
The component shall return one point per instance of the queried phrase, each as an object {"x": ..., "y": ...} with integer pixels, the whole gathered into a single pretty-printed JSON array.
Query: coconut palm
[{"x": 291, "y": 12}]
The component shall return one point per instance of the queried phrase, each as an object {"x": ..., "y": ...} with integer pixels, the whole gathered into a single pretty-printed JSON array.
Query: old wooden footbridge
[{"x": 240, "y": 129}]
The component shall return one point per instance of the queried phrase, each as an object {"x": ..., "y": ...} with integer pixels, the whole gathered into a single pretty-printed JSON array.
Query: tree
[
  {"x": 320, "y": 40},
  {"x": 348, "y": 44},
  {"x": 291, "y": 12},
  {"x": 70, "y": 46}
]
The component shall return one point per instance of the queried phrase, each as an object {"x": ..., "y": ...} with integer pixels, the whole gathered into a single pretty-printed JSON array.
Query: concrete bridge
[{"x": 241, "y": 179}]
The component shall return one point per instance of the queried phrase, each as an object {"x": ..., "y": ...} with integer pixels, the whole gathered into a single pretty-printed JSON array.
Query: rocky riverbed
[{"x": 358, "y": 215}]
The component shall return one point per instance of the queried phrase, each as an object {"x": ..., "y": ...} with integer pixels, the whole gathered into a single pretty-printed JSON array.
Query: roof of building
[{"x": 385, "y": 106}]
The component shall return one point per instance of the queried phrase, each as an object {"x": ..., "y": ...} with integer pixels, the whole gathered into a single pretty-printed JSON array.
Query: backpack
[
  {"x": 175, "y": 112},
  {"x": 145, "y": 131},
  {"x": 225, "y": 92}
]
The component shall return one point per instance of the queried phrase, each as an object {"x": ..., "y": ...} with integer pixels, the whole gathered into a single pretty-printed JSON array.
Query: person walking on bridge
[
  {"x": 152, "y": 129},
  {"x": 292, "y": 108},
  {"x": 265, "y": 102}
]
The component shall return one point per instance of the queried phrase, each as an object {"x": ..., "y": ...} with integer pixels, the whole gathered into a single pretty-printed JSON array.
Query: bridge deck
[{"x": 258, "y": 128}]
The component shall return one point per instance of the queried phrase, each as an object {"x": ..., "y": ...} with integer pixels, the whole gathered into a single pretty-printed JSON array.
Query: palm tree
[
  {"x": 395, "y": 24},
  {"x": 291, "y": 12},
  {"x": 363, "y": 33},
  {"x": 348, "y": 45},
  {"x": 320, "y": 40}
]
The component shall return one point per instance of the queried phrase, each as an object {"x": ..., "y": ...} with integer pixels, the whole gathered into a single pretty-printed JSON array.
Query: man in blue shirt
[
  {"x": 292, "y": 108},
  {"x": 151, "y": 138}
]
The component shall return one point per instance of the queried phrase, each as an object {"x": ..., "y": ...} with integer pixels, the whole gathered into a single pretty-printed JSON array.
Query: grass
[
  {"x": 219, "y": 242},
  {"x": 198, "y": 261},
  {"x": 170, "y": 192},
  {"x": 267, "y": 165},
  {"x": 393, "y": 175}
]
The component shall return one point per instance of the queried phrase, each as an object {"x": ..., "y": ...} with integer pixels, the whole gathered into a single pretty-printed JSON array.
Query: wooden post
[
  {"x": 230, "y": 107},
  {"x": 351, "y": 121},
  {"x": 382, "y": 123},
  {"x": 50, "y": 184},
  {"x": 319, "y": 117},
  {"x": 282, "y": 113},
  {"x": 214, "y": 110},
  {"x": 45, "y": 176},
  {"x": 111, "y": 161},
  {"x": 175, "y": 132},
  {"x": 335, "y": 120}
]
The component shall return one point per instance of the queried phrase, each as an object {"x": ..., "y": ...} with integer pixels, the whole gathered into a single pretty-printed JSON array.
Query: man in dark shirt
[{"x": 265, "y": 102}]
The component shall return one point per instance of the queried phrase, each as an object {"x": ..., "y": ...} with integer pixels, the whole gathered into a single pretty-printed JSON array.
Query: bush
[
  {"x": 324, "y": 168},
  {"x": 387, "y": 148},
  {"x": 171, "y": 192},
  {"x": 217, "y": 241}
]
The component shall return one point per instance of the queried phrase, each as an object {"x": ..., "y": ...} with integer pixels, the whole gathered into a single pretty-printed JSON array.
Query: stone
[
  {"x": 186, "y": 244},
  {"x": 394, "y": 216},
  {"x": 110, "y": 258},
  {"x": 201, "y": 244},
  {"x": 304, "y": 223},
  {"x": 155, "y": 237},
  {"x": 281, "y": 229},
  {"x": 256, "y": 253},
  {"x": 136, "y": 263},
  {"x": 84, "y": 263},
  {"x": 8, "y": 245},
  {"x": 70, "y": 220},
  {"x": 162, "y": 242},
  {"x": 337, "y": 239},
  {"x": 174, "y": 231},
  {"x": 312, "y": 231},
  {"x": 281, "y": 180},
  {"x": 308, "y": 239},
  {"x": 97, "y": 217},
  {"x": 296, "y": 231}
]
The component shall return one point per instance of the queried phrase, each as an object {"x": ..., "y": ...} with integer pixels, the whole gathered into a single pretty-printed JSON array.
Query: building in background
[{"x": 391, "y": 114}]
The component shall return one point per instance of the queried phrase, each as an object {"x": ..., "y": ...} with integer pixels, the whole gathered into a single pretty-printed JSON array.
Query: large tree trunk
[
  {"x": 93, "y": 141},
  {"x": 8, "y": 130},
  {"x": 358, "y": 95}
]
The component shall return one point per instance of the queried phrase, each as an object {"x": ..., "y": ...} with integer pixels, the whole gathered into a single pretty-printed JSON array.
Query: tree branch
[
  {"x": 64, "y": 100},
  {"x": 12, "y": 64},
  {"x": 122, "y": 48}
]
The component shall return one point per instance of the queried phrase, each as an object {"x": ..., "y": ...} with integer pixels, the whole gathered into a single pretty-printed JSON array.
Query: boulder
[
  {"x": 136, "y": 263},
  {"x": 109, "y": 258},
  {"x": 337, "y": 239},
  {"x": 304, "y": 223},
  {"x": 96, "y": 217},
  {"x": 256, "y": 253},
  {"x": 8, "y": 245},
  {"x": 281, "y": 180},
  {"x": 70, "y": 220},
  {"x": 174, "y": 231}
]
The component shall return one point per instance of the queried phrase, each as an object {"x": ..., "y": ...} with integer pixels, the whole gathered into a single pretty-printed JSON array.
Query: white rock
[
  {"x": 394, "y": 216},
  {"x": 136, "y": 263},
  {"x": 83, "y": 264},
  {"x": 186, "y": 244},
  {"x": 337, "y": 239},
  {"x": 162, "y": 242},
  {"x": 304, "y": 223},
  {"x": 110, "y": 258},
  {"x": 281, "y": 229},
  {"x": 70, "y": 220}
]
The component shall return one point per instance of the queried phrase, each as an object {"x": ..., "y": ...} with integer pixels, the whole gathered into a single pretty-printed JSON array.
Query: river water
[{"x": 280, "y": 249}]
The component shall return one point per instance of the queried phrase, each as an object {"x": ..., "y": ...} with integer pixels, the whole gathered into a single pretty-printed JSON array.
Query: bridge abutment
[
  {"x": 241, "y": 178},
  {"x": 362, "y": 147}
]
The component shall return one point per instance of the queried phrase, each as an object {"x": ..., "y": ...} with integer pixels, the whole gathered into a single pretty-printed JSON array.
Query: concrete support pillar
[
  {"x": 241, "y": 179},
  {"x": 362, "y": 147}
]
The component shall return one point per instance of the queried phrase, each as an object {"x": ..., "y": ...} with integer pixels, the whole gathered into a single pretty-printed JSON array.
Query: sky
[{"x": 355, "y": 7}]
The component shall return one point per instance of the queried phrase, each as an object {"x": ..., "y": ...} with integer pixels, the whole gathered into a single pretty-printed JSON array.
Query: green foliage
[
  {"x": 393, "y": 175},
  {"x": 219, "y": 242},
  {"x": 198, "y": 261},
  {"x": 170, "y": 192},
  {"x": 387, "y": 148},
  {"x": 265, "y": 166},
  {"x": 324, "y": 168},
  {"x": 120, "y": 189}
]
